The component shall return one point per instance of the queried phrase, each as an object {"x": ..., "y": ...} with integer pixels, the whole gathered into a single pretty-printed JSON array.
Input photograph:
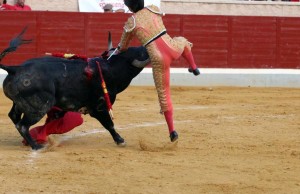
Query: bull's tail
[
  {"x": 9, "y": 69},
  {"x": 14, "y": 44}
]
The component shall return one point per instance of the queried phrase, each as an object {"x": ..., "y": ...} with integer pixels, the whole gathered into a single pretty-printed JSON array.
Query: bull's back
[
  {"x": 28, "y": 78},
  {"x": 72, "y": 85},
  {"x": 48, "y": 76}
]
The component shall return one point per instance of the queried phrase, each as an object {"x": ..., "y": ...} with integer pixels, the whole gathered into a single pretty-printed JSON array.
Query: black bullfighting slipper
[
  {"x": 173, "y": 136},
  {"x": 195, "y": 71}
]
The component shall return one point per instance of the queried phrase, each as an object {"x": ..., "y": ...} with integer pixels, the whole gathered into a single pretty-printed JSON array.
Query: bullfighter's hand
[{"x": 115, "y": 52}]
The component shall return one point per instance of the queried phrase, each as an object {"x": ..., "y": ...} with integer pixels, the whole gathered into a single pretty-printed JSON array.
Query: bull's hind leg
[
  {"x": 34, "y": 108},
  {"x": 23, "y": 128},
  {"x": 14, "y": 114},
  {"x": 104, "y": 118}
]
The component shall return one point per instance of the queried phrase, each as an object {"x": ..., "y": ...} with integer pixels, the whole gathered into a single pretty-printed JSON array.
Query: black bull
[{"x": 41, "y": 83}]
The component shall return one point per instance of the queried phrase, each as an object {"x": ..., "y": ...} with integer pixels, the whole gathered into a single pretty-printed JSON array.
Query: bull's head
[{"x": 138, "y": 54}]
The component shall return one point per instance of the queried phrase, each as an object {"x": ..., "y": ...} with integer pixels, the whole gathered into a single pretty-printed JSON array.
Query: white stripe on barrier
[
  {"x": 220, "y": 77},
  {"x": 3, "y": 72},
  {"x": 226, "y": 77}
]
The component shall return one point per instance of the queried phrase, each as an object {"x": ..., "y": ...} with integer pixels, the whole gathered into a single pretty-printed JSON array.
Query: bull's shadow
[{"x": 72, "y": 85}]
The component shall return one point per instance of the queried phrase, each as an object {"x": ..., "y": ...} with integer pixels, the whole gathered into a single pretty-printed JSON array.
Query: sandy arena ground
[{"x": 232, "y": 140}]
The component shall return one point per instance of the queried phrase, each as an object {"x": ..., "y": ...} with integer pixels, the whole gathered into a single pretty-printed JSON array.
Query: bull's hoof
[
  {"x": 37, "y": 147},
  {"x": 120, "y": 142},
  {"x": 195, "y": 71},
  {"x": 173, "y": 136}
]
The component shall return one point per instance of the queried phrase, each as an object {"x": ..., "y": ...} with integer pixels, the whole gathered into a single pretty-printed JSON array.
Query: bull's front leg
[{"x": 104, "y": 118}]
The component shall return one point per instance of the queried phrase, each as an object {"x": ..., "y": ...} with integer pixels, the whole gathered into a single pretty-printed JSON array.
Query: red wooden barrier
[{"x": 219, "y": 41}]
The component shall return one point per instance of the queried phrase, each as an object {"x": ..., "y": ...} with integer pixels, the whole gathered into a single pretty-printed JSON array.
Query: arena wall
[{"x": 220, "y": 43}]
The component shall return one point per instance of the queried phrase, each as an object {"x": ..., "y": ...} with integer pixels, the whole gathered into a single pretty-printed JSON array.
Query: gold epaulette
[
  {"x": 130, "y": 24},
  {"x": 155, "y": 10}
]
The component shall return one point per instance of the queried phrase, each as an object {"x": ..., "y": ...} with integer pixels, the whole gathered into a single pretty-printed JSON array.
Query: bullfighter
[{"x": 147, "y": 25}]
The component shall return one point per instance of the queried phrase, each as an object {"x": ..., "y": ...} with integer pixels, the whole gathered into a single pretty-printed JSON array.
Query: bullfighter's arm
[{"x": 127, "y": 34}]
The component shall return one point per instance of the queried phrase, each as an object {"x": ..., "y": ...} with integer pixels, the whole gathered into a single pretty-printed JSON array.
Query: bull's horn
[{"x": 110, "y": 45}]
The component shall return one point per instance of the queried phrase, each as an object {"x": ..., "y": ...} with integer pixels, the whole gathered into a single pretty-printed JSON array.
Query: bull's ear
[{"x": 110, "y": 45}]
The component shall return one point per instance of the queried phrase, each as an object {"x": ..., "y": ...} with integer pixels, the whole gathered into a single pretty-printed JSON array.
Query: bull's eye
[{"x": 26, "y": 82}]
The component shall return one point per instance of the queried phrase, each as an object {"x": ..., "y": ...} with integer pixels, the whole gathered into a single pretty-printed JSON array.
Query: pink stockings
[
  {"x": 163, "y": 51},
  {"x": 161, "y": 57},
  {"x": 169, "y": 119},
  {"x": 188, "y": 56}
]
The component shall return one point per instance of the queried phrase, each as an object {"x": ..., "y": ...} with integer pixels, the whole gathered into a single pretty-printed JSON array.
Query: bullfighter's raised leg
[
  {"x": 104, "y": 118},
  {"x": 183, "y": 46}
]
